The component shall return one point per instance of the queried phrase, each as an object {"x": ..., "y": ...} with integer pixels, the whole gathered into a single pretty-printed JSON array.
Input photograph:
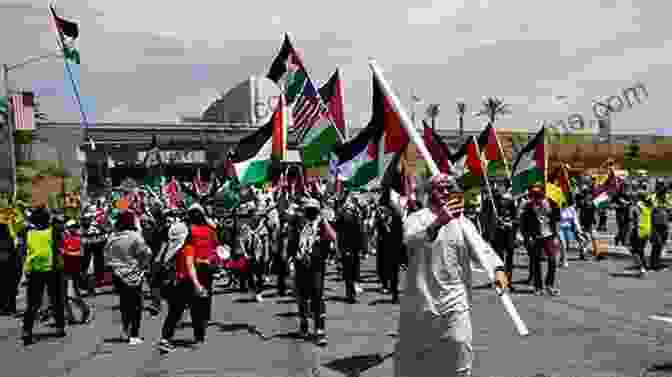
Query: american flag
[
  {"x": 23, "y": 108},
  {"x": 307, "y": 110}
]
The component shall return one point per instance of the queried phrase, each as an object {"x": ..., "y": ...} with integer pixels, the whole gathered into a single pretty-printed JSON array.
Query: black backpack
[
  {"x": 659, "y": 216},
  {"x": 164, "y": 271}
]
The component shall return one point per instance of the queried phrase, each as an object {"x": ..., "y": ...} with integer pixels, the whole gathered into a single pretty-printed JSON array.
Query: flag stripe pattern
[{"x": 23, "y": 109}]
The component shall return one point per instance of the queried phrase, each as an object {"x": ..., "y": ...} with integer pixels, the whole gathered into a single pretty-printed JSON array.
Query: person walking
[
  {"x": 390, "y": 248},
  {"x": 204, "y": 240},
  {"x": 72, "y": 265},
  {"x": 128, "y": 255},
  {"x": 539, "y": 220},
  {"x": 10, "y": 271},
  {"x": 40, "y": 266},
  {"x": 352, "y": 243},
  {"x": 660, "y": 223},
  {"x": 310, "y": 261},
  {"x": 187, "y": 290},
  {"x": 435, "y": 332}
]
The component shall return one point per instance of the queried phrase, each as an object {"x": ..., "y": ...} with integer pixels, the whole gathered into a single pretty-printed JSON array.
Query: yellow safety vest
[
  {"x": 644, "y": 220},
  {"x": 40, "y": 249}
]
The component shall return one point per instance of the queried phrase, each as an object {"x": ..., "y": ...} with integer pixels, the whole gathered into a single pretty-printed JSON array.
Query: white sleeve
[{"x": 480, "y": 250}]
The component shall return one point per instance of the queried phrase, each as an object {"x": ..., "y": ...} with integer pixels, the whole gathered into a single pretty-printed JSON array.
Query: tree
[
  {"x": 632, "y": 156},
  {"x": 493, "y": 108},
  {"x": 433, "y": 113},
  {"x": 518, "y": 141}
]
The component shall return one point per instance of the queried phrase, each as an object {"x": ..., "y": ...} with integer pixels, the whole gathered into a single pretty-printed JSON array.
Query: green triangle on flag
[
  {"x": 4, "y": 105},
  {"x": 71, "y": 54}
]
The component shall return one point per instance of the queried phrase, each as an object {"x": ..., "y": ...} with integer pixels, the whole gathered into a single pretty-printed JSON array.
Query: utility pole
[{"x": 10, "y": 132}]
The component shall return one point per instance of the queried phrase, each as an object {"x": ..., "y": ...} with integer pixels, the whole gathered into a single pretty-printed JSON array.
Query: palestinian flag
[
  {"x": 529, "y": 167},
  {"x": 300, "y": 91},
  {"x": 68, "y": 32},
  {"x": 279, "y": 66},
  {"x": 467, "y": 164},
  {"x": 318, "y": 143},
  {"x": 493, "y": 157},
  {"x": 437, "y": 148},
  {"x": 4, "y": 106},
  {"x": 601, "y": 201},
  {"x": 399, "y": 178},
  {"x": 394, "y": 137},
  {"x": 332, "y": 95},
  {"x": 355, "y": 163},
  {"x": 280, "y": 122},
  {"x": 252, "y": 157}
]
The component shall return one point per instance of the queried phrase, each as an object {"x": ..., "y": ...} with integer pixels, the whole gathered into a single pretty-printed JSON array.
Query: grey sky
[{"x": 154, "y": 60}]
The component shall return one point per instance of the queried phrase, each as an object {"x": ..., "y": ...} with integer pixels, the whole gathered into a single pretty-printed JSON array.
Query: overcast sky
[{"x": 155, "y": 60}]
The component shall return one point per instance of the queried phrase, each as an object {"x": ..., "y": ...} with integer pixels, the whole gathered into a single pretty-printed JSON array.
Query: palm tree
[
  {"x": 493, "y": 108},
  {"x": 433, "y": 113},
  {"x": 461, "y": 110}
]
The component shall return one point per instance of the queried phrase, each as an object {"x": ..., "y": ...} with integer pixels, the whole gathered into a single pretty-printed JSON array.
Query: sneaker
[
  {"x": 538, "y": 292},
  {"x": 359, "y": 289},
  {"x": 552, "y": 291},
  {"x": 321, "y": 338},
  {"x": 564, "y": 264},
  {"x": 165, "y": 346},
  {"x": 643, "y": 272},
  {"x": 259, "y": 298},
  {"x": 135, "y": 341}
]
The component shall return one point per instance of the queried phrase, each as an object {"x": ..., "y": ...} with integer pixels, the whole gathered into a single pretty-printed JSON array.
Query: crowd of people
[{"x": 165, "y": 259}]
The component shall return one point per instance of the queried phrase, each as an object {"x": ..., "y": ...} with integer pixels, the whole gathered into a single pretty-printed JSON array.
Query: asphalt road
[{"x": 599, "y": 326}]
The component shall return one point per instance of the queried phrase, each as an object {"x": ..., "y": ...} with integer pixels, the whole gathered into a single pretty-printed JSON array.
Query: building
[{"x": 205, "y": 144}]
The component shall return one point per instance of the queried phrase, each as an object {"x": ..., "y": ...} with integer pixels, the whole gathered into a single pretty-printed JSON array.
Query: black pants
[
  {"x": 93, "y": 251},
  {"x": 637, "y": 247},
  {"x": 603, "y": 220},
  {"x": 309, "y": 286},
  {"x": 389, "y": 269},
  {"x": 35, "y": 290},
  {"x": 505, "y": 247},
  {"x": 536, "y": 255},
  {"x": 659, "y": 236},
  {"x": 180, "y": 297},
  {"x": 281, "y": 270},
  {"x": 10, "y": 277},
  {"x": 351, "y": 264},
  {"x": 253, "y": 278},
  {"x": 622, "y": 227},
  {"x": 204, "y": 274},
  {"x": 130, "y": 303}
]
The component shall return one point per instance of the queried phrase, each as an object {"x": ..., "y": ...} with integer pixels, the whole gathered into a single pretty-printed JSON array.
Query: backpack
[
  {"x": 659, "y": 217},
  {"x": 164, "y": 271}
]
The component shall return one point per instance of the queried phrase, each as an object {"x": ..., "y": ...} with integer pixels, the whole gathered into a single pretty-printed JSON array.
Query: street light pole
[{"x": 10, "y": 119}]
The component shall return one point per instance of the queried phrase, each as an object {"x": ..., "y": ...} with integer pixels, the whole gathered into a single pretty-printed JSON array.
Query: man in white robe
[{"x": 435, "y": 331}]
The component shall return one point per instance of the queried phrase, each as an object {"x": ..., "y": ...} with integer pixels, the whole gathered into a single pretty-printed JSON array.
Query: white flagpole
[{"x": 415, "y": 137}]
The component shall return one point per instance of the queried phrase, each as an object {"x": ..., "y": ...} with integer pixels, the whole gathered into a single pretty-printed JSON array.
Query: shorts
[
  {"x": 551, "y": 247},
  {"x": 567, "y": 233}
]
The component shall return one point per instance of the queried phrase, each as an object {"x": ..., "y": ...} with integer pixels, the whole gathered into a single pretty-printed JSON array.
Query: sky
[{"x": 152, "y": 61}]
